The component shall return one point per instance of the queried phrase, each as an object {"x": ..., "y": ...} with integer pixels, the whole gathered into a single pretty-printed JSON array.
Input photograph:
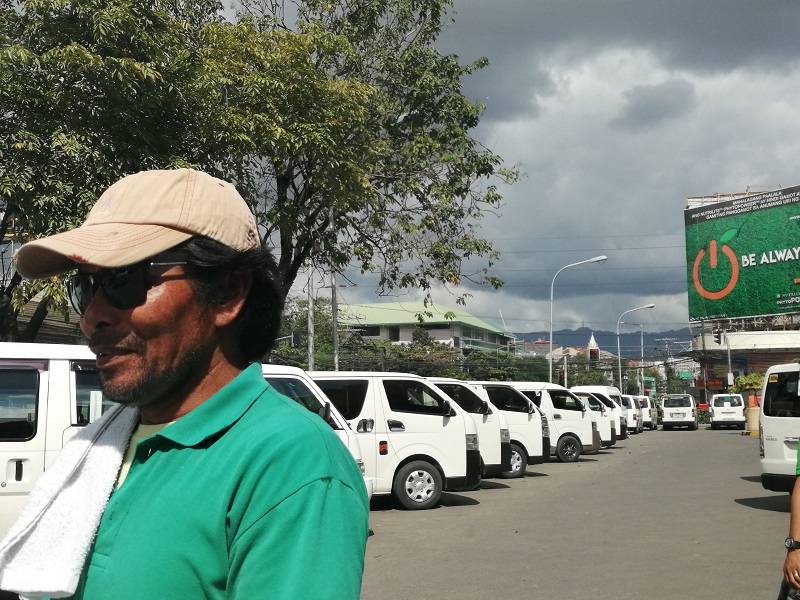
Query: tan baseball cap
[{"x": 141, "y": 215}]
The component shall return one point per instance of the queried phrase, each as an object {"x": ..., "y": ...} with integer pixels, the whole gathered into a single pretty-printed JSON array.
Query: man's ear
[{"x": 234, "y": 288}]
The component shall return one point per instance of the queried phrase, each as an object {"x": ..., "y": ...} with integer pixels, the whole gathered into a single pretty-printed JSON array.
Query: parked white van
[
  {"x": 493, "y": 434},
  {"x": 49, "y": 391},
  {"x": 415, "y": 441},
  {"x": 294, "y": 383},
  {"x": 571, "y": 425},
  {"x": 680, "y": 410},
  {"x": 649, "y": 412},
  {"x": 779, "y": 427},
  {"x": 726, "y": 410},
  {"x": 634, "y": 412},
  {"x": 606, "y": 424},
  {"x": 527, "y": 425},
  {"x": 613, "y": 395}
]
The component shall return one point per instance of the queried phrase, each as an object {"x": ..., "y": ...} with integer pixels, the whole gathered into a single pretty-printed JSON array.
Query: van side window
[
  {"x": 506, "y": 398},
  {"x": 90, "y": 401},
  {"x": 412, "y": 396},
  {"x": 464, "y": 397},
  {"x": 780, "y": 397},
  {"x": 563, "y": 400},
  {"x": 19, "y": 395},
  {"x": 297, "y": 390},
  {"x": 347, "y": 395}
]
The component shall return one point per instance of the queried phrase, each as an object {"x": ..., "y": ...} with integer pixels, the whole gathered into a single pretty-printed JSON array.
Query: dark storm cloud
[{"x": 649, "y": 105}]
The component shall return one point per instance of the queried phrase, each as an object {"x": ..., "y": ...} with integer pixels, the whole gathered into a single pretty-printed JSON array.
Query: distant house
[{"x": 396, "y": 321}]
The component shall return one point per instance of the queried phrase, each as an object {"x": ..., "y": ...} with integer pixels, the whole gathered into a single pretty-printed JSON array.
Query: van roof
[{"x": 45, "y": 351}]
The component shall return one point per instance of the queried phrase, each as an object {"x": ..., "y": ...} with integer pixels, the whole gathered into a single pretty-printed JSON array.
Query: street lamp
[
  {"x": 641, "y": 349},
  {"x": 619, "y": 353},
  {"x": 596, "y": 259}
]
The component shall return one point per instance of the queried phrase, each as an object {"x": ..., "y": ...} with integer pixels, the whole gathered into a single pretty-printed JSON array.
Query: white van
[
  {"x": 527, "y": 425},
  {"x": 294, "y": 383},
  {"x": 606, "y": 424},
  {"x": 493, "y": 434},
  {"x": 634, "y": 410},
  {"x": 726, "y": 410},
  {"x": 679, "y": 410},
  {"x": 47, "y": 393},
  {"x": 415, "y": 441},
  {"x": 571, "y": 424},
  {"x": 779, "y": 427},
  {"x": 608, "y": 393},
  {"x": 649, "y": 412}
]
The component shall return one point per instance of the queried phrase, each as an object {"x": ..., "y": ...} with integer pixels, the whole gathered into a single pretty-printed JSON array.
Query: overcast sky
[{"x": 616, "y": 112}]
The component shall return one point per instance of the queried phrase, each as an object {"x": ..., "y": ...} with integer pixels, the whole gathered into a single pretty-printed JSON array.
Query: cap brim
[{"x": 105, "y": 245}]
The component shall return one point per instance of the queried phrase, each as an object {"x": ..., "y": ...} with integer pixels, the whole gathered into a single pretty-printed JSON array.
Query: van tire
[
  {"x": 693, "y": 427},
  {"x": 568, "y": 449},
  {"x": 417, "y": 485},
  {"x": 519, "y": 463}
]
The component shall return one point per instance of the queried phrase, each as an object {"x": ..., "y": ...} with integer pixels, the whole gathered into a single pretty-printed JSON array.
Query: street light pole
[
  {"x": 619, "y": 352},
  {"x": 596, "y": 259}
]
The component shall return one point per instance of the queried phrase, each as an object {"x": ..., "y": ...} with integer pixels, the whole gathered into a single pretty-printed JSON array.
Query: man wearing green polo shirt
[{"x": 204, "y": 482}]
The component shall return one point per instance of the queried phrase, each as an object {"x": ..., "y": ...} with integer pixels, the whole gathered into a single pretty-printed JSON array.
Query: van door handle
[
  {"x": 365, "y": 426},
  {"x": 791, "y": 439},
  {"x": 18, "y": 470},
  {"x": 395, "y": 425},
  {"x": 556, "y": 416}
]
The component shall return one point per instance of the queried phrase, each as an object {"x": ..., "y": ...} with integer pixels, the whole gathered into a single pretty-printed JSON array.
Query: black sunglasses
[{"x": 123, "y": 288}]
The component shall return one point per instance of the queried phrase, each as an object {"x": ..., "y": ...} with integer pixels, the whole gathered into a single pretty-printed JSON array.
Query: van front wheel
[
  {"x": 568, "y": 449},
  {"x": 519, "y": 463},
  {"x": 417, "y": 485}
]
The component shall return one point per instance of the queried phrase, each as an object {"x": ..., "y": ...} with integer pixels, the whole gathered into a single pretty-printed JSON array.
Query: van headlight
[
  {"x": 505, "y": 436},
  {"x": 472, "y": 441}
]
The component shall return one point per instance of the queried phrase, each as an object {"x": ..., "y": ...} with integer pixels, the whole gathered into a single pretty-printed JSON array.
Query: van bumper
[
  {"x": 778, "y": 483},
  {"x": 545, "y": 455},
  {"x": 472, "y": 478},
  {"x": 505, "y": 462},
  {"x": 596, "y": 442}
]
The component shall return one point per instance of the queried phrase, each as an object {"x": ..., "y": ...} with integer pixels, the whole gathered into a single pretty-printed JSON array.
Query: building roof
[{"x": 405, "y": 313}]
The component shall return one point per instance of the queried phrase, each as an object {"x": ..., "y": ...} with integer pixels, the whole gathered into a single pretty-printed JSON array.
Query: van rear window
[
  {"x": 681, "y": 402},
  {"x": 19, "y": 400},
  {"x": 780, "y": 397},
  {"x": 733, "y": 400}
]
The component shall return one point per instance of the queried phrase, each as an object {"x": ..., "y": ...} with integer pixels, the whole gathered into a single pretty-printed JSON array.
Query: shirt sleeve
[{"x": 309, "y": 546}]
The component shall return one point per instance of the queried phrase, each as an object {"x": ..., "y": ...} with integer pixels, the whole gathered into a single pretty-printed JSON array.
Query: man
[
  {"x": 791, "y": 566},
  {"x": 227, "y": 489}
]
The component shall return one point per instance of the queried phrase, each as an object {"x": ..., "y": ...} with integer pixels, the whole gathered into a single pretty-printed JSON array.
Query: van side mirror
[
  {"x": 485, "y": 410},
  {"x": 531, "y": 407},
  {"x": 325, "y": 412},
  {"x": 447, "y": 409}
]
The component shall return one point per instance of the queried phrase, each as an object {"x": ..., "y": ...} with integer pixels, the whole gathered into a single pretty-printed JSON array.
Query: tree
[
  {"x": 91, "y": 90},
  {"x": 420, "y": 182},
  {"x": 350, "y": 136},
  {"x": 751, "y": 381}
]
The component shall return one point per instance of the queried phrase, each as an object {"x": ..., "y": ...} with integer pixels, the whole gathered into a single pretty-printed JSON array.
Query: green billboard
[{"x": 743, "y": 256}]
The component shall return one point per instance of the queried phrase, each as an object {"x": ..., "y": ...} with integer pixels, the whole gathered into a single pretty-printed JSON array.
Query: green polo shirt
[{"x": 250, "y": 495}]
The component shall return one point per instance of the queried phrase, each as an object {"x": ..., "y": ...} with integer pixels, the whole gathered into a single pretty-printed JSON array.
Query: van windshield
[
  {"x": 680, "y": 402},
  {"x": 780, "y": 397}
]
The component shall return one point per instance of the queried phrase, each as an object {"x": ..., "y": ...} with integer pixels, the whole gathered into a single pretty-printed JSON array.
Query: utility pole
[
  {"x": 311, "y": 321},
  {"x": 668, "y": 361}
]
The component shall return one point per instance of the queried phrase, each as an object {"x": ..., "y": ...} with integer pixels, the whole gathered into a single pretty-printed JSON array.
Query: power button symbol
[{"x": 713, "y": 262}]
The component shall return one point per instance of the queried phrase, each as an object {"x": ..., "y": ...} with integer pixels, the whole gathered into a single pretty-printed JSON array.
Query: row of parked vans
[{"x": 412, "y": 437}]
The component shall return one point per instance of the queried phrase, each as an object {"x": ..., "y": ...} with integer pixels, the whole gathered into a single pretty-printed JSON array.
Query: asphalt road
[{"x": 662, "y": 515}]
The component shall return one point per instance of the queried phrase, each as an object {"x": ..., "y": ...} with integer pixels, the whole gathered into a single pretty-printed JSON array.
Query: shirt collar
[{"x": 220, "y": 411}]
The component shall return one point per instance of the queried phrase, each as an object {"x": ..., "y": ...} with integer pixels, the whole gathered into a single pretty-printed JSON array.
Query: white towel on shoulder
[{"x": 44, "y": 551}]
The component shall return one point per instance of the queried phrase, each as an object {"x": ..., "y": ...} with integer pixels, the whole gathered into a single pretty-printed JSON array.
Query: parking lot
[{"x": 662, "y": 515}]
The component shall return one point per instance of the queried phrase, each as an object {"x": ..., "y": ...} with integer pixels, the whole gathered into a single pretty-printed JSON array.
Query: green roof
[{"x": 405, "y": 313}]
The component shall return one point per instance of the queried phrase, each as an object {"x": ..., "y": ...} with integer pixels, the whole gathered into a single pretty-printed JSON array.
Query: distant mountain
[{"x": 630, "y": 341}]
